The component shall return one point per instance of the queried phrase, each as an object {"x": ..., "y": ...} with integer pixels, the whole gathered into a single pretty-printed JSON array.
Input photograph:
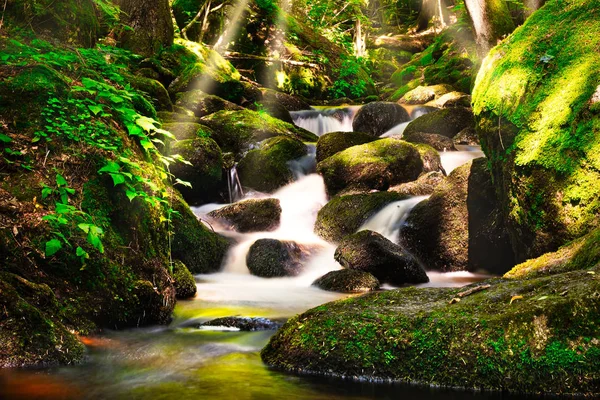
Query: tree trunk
[
  {"x": 491, "y": 21},
  {"x": 532, "y": 5},
  {"x": 360, "y": 40},
  {"x": 151, "y": 25},
  {"x": 430, "y": 9}
]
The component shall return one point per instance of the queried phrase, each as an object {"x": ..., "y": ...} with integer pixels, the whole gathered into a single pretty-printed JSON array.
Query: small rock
[
  {"x": 254, "y": 215},
  {"x": 347, "y": 281}
]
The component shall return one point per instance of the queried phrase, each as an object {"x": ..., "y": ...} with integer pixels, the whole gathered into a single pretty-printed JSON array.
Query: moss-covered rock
[
  {"x": 534, "y": 336},
  {"x": 155, "y": 90},
  {"x": 235, "y": 131},
  {"x": 378, "y": 117},
  {"x": 334, "y": 142},
  {"x": 343, "y": 215},
  {"x": 371, "y": 252},
  {"x": 347, "y": 281},
  {"x": 438, "y": 142},
  {"x": 204, "y": 171},
  {"x": 202, "y": 104},
  {"x": 185, "y": 284},
  {"x": 254, "y": 215},
  {"x": 272, "y": 258},
  {"x": 459, "y": 226},
  {"x": 533, "y": 102},
  {"x": 372, "y": 166},
  {"x": 266, "y": 169},
  {"x": 180, "y": 115},
  {"x": 187, "y": 130},
  {"x": 425, "y": 185},
  {"x": 425, "y": 94},
  {"x": 447, "y": 122},
  {"x": 452, "y": 99}
]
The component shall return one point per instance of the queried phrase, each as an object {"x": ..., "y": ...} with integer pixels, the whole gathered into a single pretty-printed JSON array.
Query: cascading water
[
  {"x": 324, "y": 120},
  {"x": 305, "y": 165},
  {"x": 234, "y": 186},
  {"x": 454, "y": 159}
]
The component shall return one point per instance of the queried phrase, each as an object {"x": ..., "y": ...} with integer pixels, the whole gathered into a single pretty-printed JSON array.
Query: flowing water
[
  {"x": 322, "y": 120},
  {"x": 183, "y": 361}
]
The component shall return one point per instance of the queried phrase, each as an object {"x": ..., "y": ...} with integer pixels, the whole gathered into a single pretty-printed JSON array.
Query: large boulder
[
  {"x": 154, "y": 89},
  {"x": 237, "y": 131},
  {"x": 204, "y": 171},
  {"x": 425, "y": 94},
  {"x": 369, "y": 251},
  {"x": 452, "y": 99},
  {"x": 424, "y": 186},
  {"x": 447, "y": 122},
  {"x": 373, "y": 166},
  {"x": 266, "y": 169},
  {"x": 343, "y": 215},
  {"x": 254, "y": 215},
  {"x": 272, "y": 258},
  {"x": 202, "y": 104},
  {"x": 378, "y": 117},
  {"x": 185, "y": 284},
  {"x": 334, "y": 142},
  {"x": 438, "y": 142},
  {"x": 347, "y": 281},
  {"x": 537, "y": 106},
  {"x": 459, "y": 227}
]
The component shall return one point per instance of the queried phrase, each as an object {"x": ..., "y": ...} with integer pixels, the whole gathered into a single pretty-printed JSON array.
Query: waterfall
[
  {"x": 324, "y": 120},
  {"x": 304, "y": 165},
  {"x": 454, "y": 159},
  {"x": 234, "y": 186}
]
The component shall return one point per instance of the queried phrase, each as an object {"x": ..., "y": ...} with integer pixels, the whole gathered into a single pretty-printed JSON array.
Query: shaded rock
[
  {"x": 347, "y": 281},
  {"x": 289, "y": 102},
  {"x": 425, "y": 94},
  {"x": 369, "y": 251},
  {"x": 185, "y": 284},
  {"x": 378, "y": 117},
  {"x": 459, "y": 227},
  {"x": 186, "y": 130},
  {"x": 423, "y": 186},
  {"x": 236, "y": 131},
  {"x": 407, "y": 43},
  {"x": 343, "y": 215},
  {"x": 272, "y": 258},
  {"x": 374, "y": 166},
  {"x": 452, "y": 99},
  {"x": 245, "y": 324},
  {"x": 334, "y": 142},
  {"x": 155, "y": 90},
  {"x": 447, "y": 122},
  {"x": 438, "y": 142},
  {"x": 266, "y": 169},
  {"x": 466, "y": 137},
  {"x": 254, "y": 215},
  {"x": 202, "y": 104},
  {"x": 171, "y": 117},
  {"x": 205, "y": 173}
]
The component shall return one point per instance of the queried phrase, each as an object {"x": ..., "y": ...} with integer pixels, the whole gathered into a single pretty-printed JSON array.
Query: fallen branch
[{"x": 473, "y": 290}]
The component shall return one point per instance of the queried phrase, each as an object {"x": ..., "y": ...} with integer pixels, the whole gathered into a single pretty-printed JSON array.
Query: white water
[
  {"x": 325, "y": 120},
  {"x": 398, "y": 130},
  {"x": 305, "y": 165},
  {"x": 454, "y": 159}
]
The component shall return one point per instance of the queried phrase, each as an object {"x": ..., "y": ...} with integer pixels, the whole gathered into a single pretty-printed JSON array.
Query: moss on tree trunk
[{"x": 151, "y": 25}]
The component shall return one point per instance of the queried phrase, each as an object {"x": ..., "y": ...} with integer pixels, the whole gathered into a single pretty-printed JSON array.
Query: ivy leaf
[
  {"x": 46, "y": 191},
  {"x": 117, "y": 179},
  {"x": 82, "y": 253},
  {"x": 95, "y": 109},
  {"x": 130, "y": 194},
  {"x": 146, "y": 123},
  {"x": 146, "y": 144},
  {"x": 112, "y": 167},
  {"x": 52, "y": 247},
  {"x": 183, "y": 183},
  {"x": 60, "y": 180},
  {"x": 4, "y": 138}
]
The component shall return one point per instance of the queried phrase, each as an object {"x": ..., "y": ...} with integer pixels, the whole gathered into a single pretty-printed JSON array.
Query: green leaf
[
  {"x": 46, "y": 191},
  {"x": 82, "y": 253},
  {"x": 146, "y": 123},
  {"x": 183, "y": 183},
  {"x": 4, "y": 138},
  {"x": 117, "y": 179},
  {"x": 95, "y": 109},
  {"x": 131, "y": 194},
  {"x": 111, "y": 167},
  {"x": 52, "y": 247},
  {"x": 63, "y": 208},
  {"x": 60, "y": 180},
  {"x": 116, "y": 99},
  {"x": 146, "y": 144}
]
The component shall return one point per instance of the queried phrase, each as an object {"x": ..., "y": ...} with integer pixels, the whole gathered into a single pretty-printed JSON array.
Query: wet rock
[
  {"x": 425, "y": 94},
  {"x": 467, "y": 137},
  {"x": 438, "y": 142},
  {"x": 447, "y": 122},
  {"x": 459, "y": 227},
  {"x": 180, "y": 115},
  {"x": 202, "y": 104},
  {"x": 423, "y": 186},
  {"x": 266, "y": 169},
  {"x": 369, "y": 251},
  {"x": 452, "y": 99},
  {"x": 185, "y": 284},
  {"x": 347, "y": 281},
  {"x": 181, "y": 131},
  {"x": 205, "y": 173},
  {"x": 334, "y": 142},
  {"x": 254, "y": 215},
  {"x": 245, "y": 324},
  {"x": 378, "y": 117},
  {"x": 272, "y": 258},
  {"x": 155, "y": 90},
  {"x": 343, "y": 215},
  {"x": 376, "y": 166}
]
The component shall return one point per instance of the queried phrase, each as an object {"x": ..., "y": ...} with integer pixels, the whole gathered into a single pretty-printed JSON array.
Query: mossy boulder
[
  {"x": 272, "y": 258},
  {"x": 540, "y": 128},
  {"x": 185, "y": 284},
  {"x": 404, "y": 43},
  {"x": 459, "y": 227},
  {"x": 266, "y": 169},
  {"x": 202, "y": 104},
  {"x": 289, "y": 102},
  {"x": 198, "y": 247},
  {"x": 334, "y": 142},
  {"x": 378, "y": 117},
  {"x": 254, "y": 215},
  {"x": 236, "y": 131},
  {"x": 343, "y": 215},
  {"x": 452, "y": 99},
  {"x": 155, "y": 90},
  {"x": 180, "y": 115},
  {"x": 447, "y": 122},
  {"x": 425, "y": 94},
  {"x": 347, "y": 281},
  {"x": 372, "y": 166},
  {"x": 438, "y": 142},
  {"x": 187, "y": 130},
  {"x": 534, "y": 336},
  {"x": 205, "y": 171},
  {"x": 371, "y": 252},
  {"x": 424, "y": 186},
  {"x": 466, "y": 137}
]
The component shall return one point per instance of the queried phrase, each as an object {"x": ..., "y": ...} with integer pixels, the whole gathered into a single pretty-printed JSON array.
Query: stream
[{"x": 185, "y": 361}]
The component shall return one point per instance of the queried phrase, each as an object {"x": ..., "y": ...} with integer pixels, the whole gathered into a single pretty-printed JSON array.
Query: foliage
[{"x": 353, "y": 77}]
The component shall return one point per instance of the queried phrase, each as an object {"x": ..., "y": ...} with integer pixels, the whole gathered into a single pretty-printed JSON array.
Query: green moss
[
  {"x": 185, "y": 285},
  {"x": 334, "y": 142},
  {"x": 537, "y": 86}
]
